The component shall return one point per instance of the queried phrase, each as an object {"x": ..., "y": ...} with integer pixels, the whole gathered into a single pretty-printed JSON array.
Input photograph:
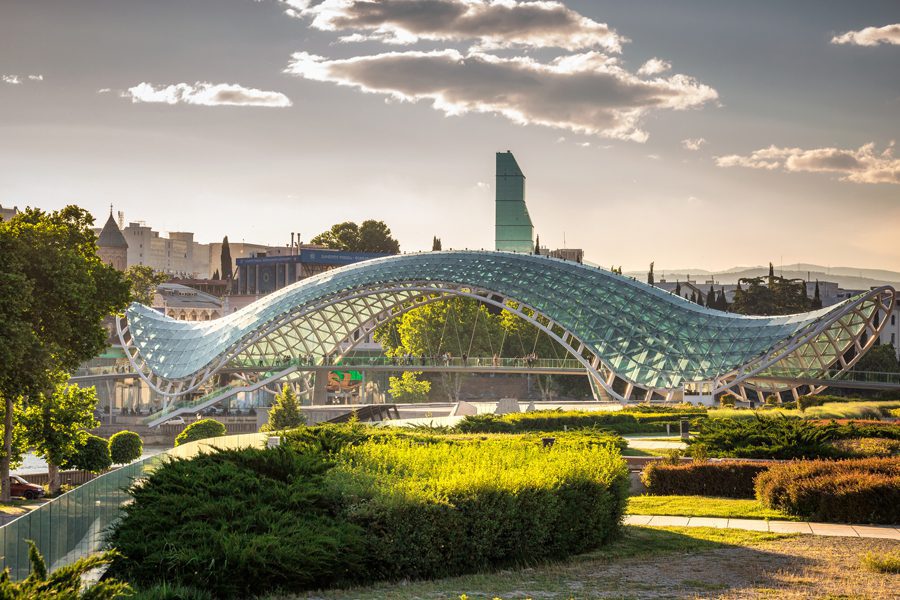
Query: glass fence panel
[{"x": 75, "y": 524}]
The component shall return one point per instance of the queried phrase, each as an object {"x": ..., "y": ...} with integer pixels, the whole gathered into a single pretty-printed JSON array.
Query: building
[
  {"x": 514, "y": 231},
  {"x": 112, "y": 248},
  {"x": 183, "y": 303},
  {"x": 264, "y": 273},
  {"x": 8, "y": 213},
  {"x": 178, "y": 255}
]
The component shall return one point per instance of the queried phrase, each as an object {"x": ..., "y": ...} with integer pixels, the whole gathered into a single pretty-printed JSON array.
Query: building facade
[
  {"x": 183, "y": 303},
  {"x": 112, "y": 247},
  {"x": 514, "y": 231}
]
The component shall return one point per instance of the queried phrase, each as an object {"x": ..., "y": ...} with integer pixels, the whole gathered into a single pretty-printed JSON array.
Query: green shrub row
[
  {"x": 342, "y": 505},
  {"x": 725, "y": 479},
  {"x": 782, "y": 437},
  {"x": 550, "y": 420},
  {"x": 851, "y": 491}
]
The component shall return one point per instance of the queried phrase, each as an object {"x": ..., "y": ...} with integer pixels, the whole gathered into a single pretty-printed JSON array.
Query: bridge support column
[{"x": 319, "y": 391}]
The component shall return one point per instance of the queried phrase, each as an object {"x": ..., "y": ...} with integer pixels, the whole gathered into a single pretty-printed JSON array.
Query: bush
[
  {"x": 866, "y": 447},
  {"x": 763, "y": 437},
  {"x": 164, "y": 591},
  {"x": 91, "y": 456},
  {"x": 65, "y": 583},
  {"x": 882, "y": 563},
  {"x": 855, "y": 491},
  {"x": 376, "y": 505},
  {"x": 200, "y": 430},
  {"x": 125, "y": 447},
  {"x": 726, "y": 479},
  {"x": 621, "y": 422},
  {"x": 285, "y": 412}
]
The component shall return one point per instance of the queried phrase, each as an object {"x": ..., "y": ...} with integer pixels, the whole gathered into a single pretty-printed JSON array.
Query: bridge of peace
[{"x": 634, "y": 341}]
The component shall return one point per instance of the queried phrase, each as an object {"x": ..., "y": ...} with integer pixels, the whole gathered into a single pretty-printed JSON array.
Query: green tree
[
  {"x": 65, "y": 292},
  {"x": 341, "y": 236},
  {"x": 711, "y": 298},
  {"x": 880, "y": 359},
  {"x": 225, "y": 260},
  {"x": 537, "y": 244},
  {"x": 408, "y": 388},
  {"x": 650, "y": 277},
  {"x": 375, "y": 236},
  {"x": 125, "y": 447},
  {"x": 144, "y": 281},
  {"x": 56, "y": 424},
  {"x": 817, "y": 299},
  {"x": 92, "y": 455},
  {"x": 285, "y": 412},
  {"x": 200, "y": 430},
  {"x": 770, "y": 296},
  {"x": 436, "y": 244},
  {"x": 677, "y": 288}
]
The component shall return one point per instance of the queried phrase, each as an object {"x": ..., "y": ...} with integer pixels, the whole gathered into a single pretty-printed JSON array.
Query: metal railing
[
  {"x": 74, "y": 525},
  {"x": 833, "y": 375},
  {"x": 408, "y": 361}
]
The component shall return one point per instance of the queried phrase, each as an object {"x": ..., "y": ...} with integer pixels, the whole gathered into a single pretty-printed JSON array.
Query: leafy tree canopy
[
  {"x": 408, "y": 388},
  {"x": 285, "y": 412},
  {"x": 144, "y": 281},
  {"x": 370, "y": 236},
  {"x": 773, "y": 295},
  {"x": 125, "y": 447}
]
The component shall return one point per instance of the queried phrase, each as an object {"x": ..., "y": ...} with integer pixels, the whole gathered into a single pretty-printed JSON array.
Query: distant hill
[{"x": 848, "y": 278}]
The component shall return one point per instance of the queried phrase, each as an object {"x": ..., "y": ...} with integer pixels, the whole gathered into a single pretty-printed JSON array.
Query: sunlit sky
[{"x": 694, "y": 134}]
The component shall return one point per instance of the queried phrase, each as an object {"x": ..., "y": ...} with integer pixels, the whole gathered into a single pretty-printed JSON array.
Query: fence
[{"x": 74, "y": 524}]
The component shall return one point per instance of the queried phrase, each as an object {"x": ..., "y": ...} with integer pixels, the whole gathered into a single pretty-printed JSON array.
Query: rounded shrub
[
  {"x": 726, "y": 479},
  {"x": 92, "y": 455},
  {"x": 200, "y": 430},
  {"x": 125, "y": 447}
]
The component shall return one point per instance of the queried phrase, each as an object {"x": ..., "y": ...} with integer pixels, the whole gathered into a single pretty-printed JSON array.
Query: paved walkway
[{"x": 889, "y": 532}]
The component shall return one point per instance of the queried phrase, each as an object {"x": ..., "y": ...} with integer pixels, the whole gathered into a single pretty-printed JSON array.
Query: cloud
[
  {"x": 692, "y": 143},
  {"x": 11, "y": 79},
  {"x": 104, "y": 90},
  {"x": 36, "y": 77},
  {"x": 870, "y": 36},
  {"x": 206, "y": 94},
  {"x": 490, "y": 23},
  {"x": 586, "y": 93},
  {"x": 654, "y": 66},
  {"x": 863, "y": 165}
]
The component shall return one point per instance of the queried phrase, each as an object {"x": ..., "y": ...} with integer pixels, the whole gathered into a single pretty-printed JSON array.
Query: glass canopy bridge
[{"x": 636, "y": 342}]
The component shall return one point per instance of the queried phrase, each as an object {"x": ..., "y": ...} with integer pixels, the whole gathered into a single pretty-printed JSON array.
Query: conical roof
[{"x": 111, "y": 236}]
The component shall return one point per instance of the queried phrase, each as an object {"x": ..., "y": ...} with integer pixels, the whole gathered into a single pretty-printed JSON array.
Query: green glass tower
[{"x": 514, "y": 231}]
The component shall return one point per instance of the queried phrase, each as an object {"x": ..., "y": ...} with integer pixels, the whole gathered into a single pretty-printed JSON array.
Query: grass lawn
[
  {"x": 545, "y": 580},
  {"x": 670, "y": 563},
  {"x": 703, "y": 506}
]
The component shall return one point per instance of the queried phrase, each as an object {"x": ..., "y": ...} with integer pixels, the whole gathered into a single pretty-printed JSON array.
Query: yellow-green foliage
[
  {"x": 829, "y": 410},
  {"x": 630, "y": 420},
  {"x": 882, "y": 563}
]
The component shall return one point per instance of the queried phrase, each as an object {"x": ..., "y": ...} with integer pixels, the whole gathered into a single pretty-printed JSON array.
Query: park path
[{"x": 890, "y": 532}]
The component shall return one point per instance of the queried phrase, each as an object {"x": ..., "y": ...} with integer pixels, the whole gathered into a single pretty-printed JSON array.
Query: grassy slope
[
  {"x": 702, "y": 506},
  {"x": 551, "y": 578}
]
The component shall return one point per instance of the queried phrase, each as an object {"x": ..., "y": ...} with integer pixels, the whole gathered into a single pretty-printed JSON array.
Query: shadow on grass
[{"x": 643, "y": 563}]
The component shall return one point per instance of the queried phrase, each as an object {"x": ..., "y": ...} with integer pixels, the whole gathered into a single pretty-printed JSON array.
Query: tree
[
  {"x": 216, "y": 274},
  {"x": 92, "y": 455},
  {"x": 780, "y": 297},
  {"x": 200, "y": 430},
  {"x": 722, "y": 301},
  {"x": 650, "y": 278},
  {"x": 677, "y": 288},
  {"x": 436, "y": 244},
  {"x": 125, "y": 447},
  {"x": 56, "y": 424},
  {"x": 879, "y": 359},
  {"x": 711, "y": 298},
  {"x": 285, "y": 412},
  {"x": 375, "y": 236},
  {"x": 817, "y": 299},
  {"x": 64, "y": 293},
  {"x": 537, "y": 245},
  {"x": 771, "y": 272},
  {"x": 408, "y": 388},
  {"x": 225, "y": 260},
  {"x": 144, "y": 281},
  {"x": 341, "y": 236}
]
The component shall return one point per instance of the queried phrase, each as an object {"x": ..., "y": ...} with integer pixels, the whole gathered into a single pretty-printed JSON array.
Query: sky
[{"x": 706, "y": 134}]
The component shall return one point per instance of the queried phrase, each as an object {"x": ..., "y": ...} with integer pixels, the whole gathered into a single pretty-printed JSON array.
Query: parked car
[
  {"x": 175, "y": 421},
  {"x": 20, "y": 487}
]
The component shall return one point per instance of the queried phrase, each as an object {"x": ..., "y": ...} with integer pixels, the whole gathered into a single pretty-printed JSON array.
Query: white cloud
[
  {"x": 870, "y": 36},
  {"x": 11, "y": 79},
  {"x": 490, "y": 23},
  {"x": 692, "y": 143},
  {"x": 586, "y": 93},
  {"x": 206, "y": 94},
  {"x": 863, "y": 165},
  {"x": 654, "y": 66},
  {"x": 36, "y": 77},
  {"x": 104, "y": 90}
]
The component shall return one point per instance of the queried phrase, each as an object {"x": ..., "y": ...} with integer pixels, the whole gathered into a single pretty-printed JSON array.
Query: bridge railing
[
  {"x": 407, "y": 361},
  {"x": 74, "y": 525},
  {"x": 834, "y": 375}
]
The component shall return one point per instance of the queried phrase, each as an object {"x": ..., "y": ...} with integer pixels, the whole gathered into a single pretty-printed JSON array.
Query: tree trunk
[
  {"x": 53, "y": 477},
  {"x": 7, "y": 449}
]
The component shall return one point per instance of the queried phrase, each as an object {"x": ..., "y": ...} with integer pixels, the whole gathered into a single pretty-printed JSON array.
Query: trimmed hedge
[
  {"x": 725, "y": 479},
  {"x": 854, "y": 491},
  {"x": 125, "y": 447},
  {"x": 557, "y": 420},
  {"x": 343, "y": 505},
  {"x": 200, "y": 430}
]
